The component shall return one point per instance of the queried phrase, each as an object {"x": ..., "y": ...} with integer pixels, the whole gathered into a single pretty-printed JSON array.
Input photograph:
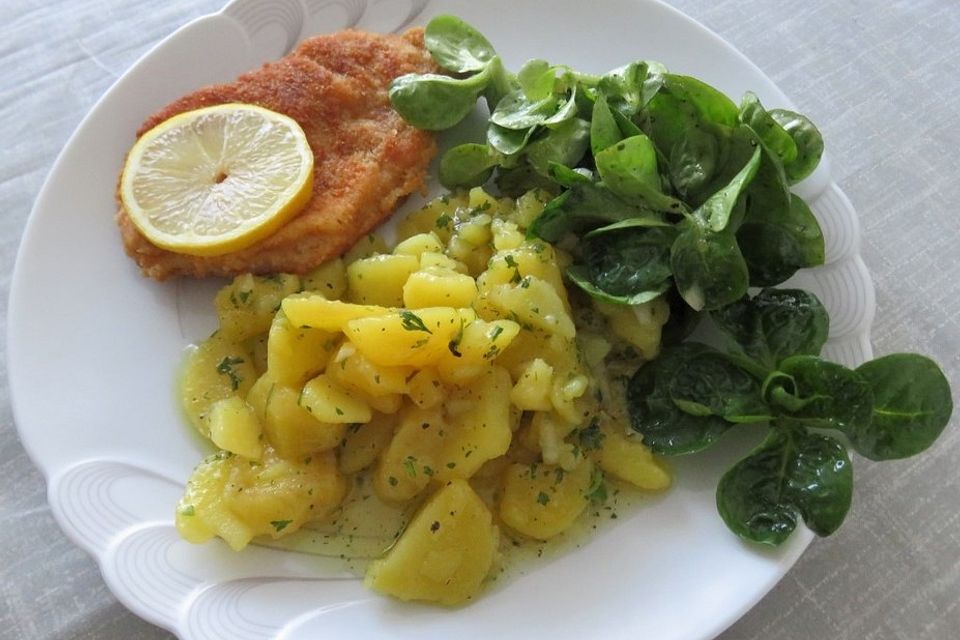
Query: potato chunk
[
  {"x": 354, "y": 371},
  {"x": 293, "y": 353},
  {"x": 364, "y": 442},
  {"x": 425, "y": 389},
  {"x": 405, "y": 337},
  {"x": 329, "y": 402},
  {"x": 379, "y": 279},
  {"x": 473, "y": 350},
  {"x": 438, "y": 286},
  {"x": 410, "y": 460},
  {"x": 234, "y": 427},
  {"x": 229, "y": 497},
  {"x": 329, "y": 279},
  {"x": 417, "y": 245},
  {"x": 630, "y": 460},
  {"x": 293, "y": 431},
  {"x": 639, "y": 325},
  {"x": 533, "y": 302},
  {"x": 313, "y": 310},
  {"x": 532, "y": 391},
  {"x": 444, "y": 554},
  {"x": 542, "y": 500},
  {"x": 217, "y": 369},
  {"x": 246, "y": 306},
  {"x": 479, "y": 425}
]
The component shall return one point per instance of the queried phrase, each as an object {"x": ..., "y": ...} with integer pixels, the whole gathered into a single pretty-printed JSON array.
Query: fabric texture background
[{"x": 882, "y": 80}]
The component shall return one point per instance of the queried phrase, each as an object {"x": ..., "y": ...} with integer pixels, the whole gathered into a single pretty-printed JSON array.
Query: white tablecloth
[{"x": 882, "y": 80}]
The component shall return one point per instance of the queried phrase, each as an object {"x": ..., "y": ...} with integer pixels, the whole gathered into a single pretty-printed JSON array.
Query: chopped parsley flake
[
  {"x": 412, "y": 322},
  {"x": 598, "y": 488},
  {"x": 454, "y": 345},
  {"x": 592, "y": 437},
  {"x": 280, "y": 525},
  {"x": 410, "y": 465},
  {"x": 543, "y": 498},
  {"x": 511, "y": 262},
  {"x": 225, "y": 368}
]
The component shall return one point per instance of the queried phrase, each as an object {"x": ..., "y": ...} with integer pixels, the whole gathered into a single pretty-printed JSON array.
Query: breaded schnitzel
[{"x": 366, "y": 158}]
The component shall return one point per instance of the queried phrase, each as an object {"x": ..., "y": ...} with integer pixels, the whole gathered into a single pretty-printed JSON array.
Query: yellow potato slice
[{"x": 444, "y": 554}]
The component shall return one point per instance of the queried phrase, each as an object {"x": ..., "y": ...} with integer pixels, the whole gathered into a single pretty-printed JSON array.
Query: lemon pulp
[{"x": 217, "y": 179}]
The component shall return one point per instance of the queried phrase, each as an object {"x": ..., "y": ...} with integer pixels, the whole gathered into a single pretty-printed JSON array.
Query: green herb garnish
[
  {"x": 226, "y": 368},
  {"x": 412, "y": 322}
]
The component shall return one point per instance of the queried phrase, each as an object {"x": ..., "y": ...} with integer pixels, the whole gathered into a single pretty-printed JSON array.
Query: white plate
[{"x": 94, "y": 347}]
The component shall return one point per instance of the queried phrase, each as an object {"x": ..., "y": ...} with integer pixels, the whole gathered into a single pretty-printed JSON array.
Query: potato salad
[{"x": 451, "y": 384}]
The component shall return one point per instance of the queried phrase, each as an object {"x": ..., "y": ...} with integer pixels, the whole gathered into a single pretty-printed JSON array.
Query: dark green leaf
[
  {"x": 775, "y": 324},
  {"x": 516, "y": 181},
  {"x": 515, "y": 111},
  {"x": 708, "y": 268},
  {"x": 735, "y": 149},
  {"x": 564, "y": 144},
  {"x": 808, "y": 140},
  {"x": 911, "y": 406},
  {"x": 467, "y": 165},
  {"x": 712, "y": 384},
  {"x": 833, "y": 396},
  {"x": 684, "y": 104},
  {"x": 604, "y": 131},
  {"x": 683, "y": 320},
  {"x": 768, "y": 195},
  {"x": 693, "y": 161},
  {"x": 457, "y": 46},
  {"x": 665, "y": 428},
  {"x": 791, "y": 474},
  {"x": 774, "y": 137},
  {"x": 630, "y": 87},
  {"x": 715, "y": 213},
  {"x": 779, "y": 233},
  {"x": 780, "y": 390},
  {"x": 629, "y": 169},
  {"x": 435, "y": 102},
  {"x": 584, "y": 206},
  {"x": 509, "y": 142},
  {"x": 628, "y": 127},
  {"x": 566, "y": 109},
  {"x": 629, "y": 261},
  {"x": 580, "y": 275},
  {"x": 567, "y": 177},
  {"x": 776, "y": 248}
]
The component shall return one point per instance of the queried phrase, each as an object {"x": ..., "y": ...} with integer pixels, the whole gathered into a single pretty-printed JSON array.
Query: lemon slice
[{"x": 217, "y": 179}]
